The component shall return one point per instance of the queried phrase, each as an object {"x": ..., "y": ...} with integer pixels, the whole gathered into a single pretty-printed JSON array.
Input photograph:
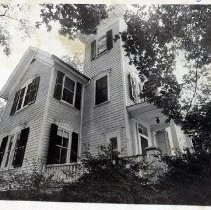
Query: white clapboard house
[{"x": 54, "y": 112}]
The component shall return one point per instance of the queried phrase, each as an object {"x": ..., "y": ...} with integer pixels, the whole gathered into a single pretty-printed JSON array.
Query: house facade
[{"x": 55, "y": 112}]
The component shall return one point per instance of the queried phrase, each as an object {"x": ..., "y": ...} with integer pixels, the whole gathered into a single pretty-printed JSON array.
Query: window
[
  {"x": 113, "y": 143},
  {"x": 143, "y": 138},
  {"x": 68, "y": 90},
  {"x": 113, "y": 139},
  {"x": 63, "y": 146},
  {"x": 104, "y": 43},
  {"x": 25, "y": 96},
  {"x": 12, "y": 149},
  {"x": 101, "y": 90}
]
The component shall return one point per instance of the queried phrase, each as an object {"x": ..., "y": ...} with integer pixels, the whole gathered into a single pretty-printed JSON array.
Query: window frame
[
  {"x": 26, "y": 86},
  {"x": 66, "y": 128},
  {"x": 108, "y": 88},
  {"x": 98, "y": 44},
  {"x": 74, "y": 92},
  {"x": 114, "y": 134},
  {"x": 15, "y": 134},
  {"x": 141, "y": 135}
]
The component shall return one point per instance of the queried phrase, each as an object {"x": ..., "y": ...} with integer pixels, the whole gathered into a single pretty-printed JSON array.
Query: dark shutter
[
  {"x": 14, "y": 106},
  {"x": 52, "y": 143},
  {"x": 58, "y": 86},
  {"x": 93, "y": 49},
  {"x": 20, "y": 148},
  {"x": 2, "y": 148},
  {"x": 78, "y": 96},
  {"x": 74, "y": 148},
  {"x": 130, "y": 86},
  {"x": 109, "y": 40}
]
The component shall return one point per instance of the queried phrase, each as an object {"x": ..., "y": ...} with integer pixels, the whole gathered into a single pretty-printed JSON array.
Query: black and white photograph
[{"x": 105, "y": 103}]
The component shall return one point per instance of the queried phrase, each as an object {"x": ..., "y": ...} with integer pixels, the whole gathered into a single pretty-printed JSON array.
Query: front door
[{"x": 163, "y": 141}]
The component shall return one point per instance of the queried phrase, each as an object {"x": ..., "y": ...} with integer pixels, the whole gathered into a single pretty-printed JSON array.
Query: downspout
[{"x": 82, "y": 111}]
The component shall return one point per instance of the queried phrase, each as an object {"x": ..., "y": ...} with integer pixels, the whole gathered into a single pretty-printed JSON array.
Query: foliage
[
  {"x": 155, "y": 36},
  {"x": 73, "y": 61},
  {"x": 187, "y": 180},
  {"x": 110, "y": 178},
  {"x": 30, "y": 183},
  {"x": 14, "y": 15},
  {"x": 73, "y": 17}
]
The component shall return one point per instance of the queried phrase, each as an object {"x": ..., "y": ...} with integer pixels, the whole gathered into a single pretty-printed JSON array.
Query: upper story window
[
  {"x": 63, "y": 146},
  {"x": 101, "y": 90},
  {"x": 104, "y": 43},
  {"x": 68, "y": 90},
  {"x": 25, "y": 96},
  {"x": 12, "y": 149}
]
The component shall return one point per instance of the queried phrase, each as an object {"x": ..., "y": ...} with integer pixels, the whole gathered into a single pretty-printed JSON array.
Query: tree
[
  {"x": 74, "y": 61},
  {"x": 73, "y": 18},
  {"x": 13, "y": 15},
  {"x": 152, "y": 41}
]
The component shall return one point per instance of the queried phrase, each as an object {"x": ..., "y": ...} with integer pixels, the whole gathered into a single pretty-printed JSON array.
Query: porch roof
[{"x": 146, "y": 112}]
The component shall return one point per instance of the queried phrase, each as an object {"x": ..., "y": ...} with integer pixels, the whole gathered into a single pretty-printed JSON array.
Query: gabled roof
[{"x": 23, "y": 66}]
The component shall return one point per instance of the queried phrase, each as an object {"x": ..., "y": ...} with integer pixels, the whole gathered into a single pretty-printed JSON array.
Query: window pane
[
  {"x": 59, "y": 140},
  {"x": 142, "y": 130},
  {"x": 67, "y": 96},
  {"x": 101, "y": 90},
  {"x": 57, "y": 155},
  {"x": 63, "y": 155},
  {"x": 65, "y": 134},
  {"x": 65, "y": 142},
  {"x": 102, "y": 44},
  {"x": 69, "y": 84}
]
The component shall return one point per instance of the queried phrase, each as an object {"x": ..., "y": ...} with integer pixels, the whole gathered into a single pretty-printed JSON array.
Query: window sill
[
  {"x": 68, "y": 104},
  {"x": 22, "y": 109},
  {"x": 106, "y": 102},
  {"x": 99, "y": 55}
]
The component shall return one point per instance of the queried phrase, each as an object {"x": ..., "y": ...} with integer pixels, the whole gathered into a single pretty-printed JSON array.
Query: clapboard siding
[
  {"x": 108, "y": 117},
  {"x": 59, "y": 112},
  {"x": 32, "y": 115}
]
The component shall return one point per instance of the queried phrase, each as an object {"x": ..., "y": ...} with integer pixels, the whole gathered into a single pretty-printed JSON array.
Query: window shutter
[
  {"x": 93, "y": 49},
  {"x": 14, "y": 106},
  {"x": 130, "y": 80},
  {"x": 74, "y": 148},
  {"x": 109, "y": 40},
  {"x": 78, "y": 96},
  {"x": 2, "y": 148},
  {"x": 58, "y": 86},
  {"x": 35, "y": 85},
  {"x": 52, "y": 143},
  {"x": 20, "y": 148}
]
